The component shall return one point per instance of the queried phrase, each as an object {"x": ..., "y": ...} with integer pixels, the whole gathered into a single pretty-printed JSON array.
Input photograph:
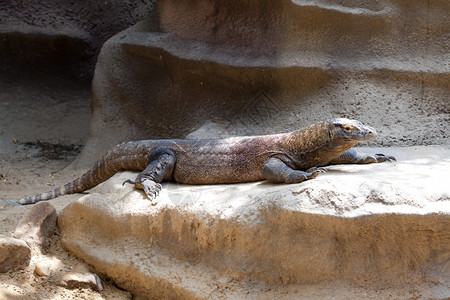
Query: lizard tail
[
  {"x": 103, "y": 170},
  {"x": 12, "y": 203},
  {"x": 41, "y": 197},
  {"x": 126, "y": 156},
  {"x": 75, "y": 186}
]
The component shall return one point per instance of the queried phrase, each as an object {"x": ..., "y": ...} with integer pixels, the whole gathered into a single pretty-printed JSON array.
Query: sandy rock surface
[
  {"x": 38, "y": 225},
  {"x": 37, "y": 140},
  {"x": 14, "y": 254},
  {"x": 355, "y": 228}
]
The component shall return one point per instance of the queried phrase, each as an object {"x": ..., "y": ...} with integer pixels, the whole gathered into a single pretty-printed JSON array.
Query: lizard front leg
[
  {"x": 160, "y": 167},
  {"x": 276, "y": 171},
  {"x": 352, "y": 157}
]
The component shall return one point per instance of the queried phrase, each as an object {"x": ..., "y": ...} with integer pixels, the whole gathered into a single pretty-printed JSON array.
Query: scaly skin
[{"x": 281, "y": 158}]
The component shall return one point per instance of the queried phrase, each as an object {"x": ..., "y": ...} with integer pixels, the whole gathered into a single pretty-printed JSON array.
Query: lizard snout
[{"x": 370, "y": 133}]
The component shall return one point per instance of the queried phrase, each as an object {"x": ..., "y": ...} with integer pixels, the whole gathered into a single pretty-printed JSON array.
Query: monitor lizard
[{"x": 279, "y": 158}]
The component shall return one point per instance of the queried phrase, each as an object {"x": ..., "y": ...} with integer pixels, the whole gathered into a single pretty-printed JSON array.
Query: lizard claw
[
  {"x": 314, "y": 171},
  {"x": 151, "y": 189},
  {"x": 129, "y": 181},
  {"x": 382, "y": 158}
]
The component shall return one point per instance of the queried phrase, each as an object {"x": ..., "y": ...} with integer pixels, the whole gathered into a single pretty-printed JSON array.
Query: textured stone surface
[
  {"x": 42, "y": 268},
  {"x": 372, "y": 226},
  {"x": 261, "y": 67},
  {"x": 81, "y": 280},
  {"x": 38, "y": 225},
  {"x": 63, "y": 36},
  {"x": 14, "y": 254}
]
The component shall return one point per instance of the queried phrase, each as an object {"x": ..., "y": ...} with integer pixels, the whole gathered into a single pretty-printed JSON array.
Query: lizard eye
[{"x": 347, "y": 128}]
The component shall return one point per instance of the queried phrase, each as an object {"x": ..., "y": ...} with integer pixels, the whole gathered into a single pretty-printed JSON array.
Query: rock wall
[
  {"x": 258, "y": 67},
  {"x": 61, "y": 36}
]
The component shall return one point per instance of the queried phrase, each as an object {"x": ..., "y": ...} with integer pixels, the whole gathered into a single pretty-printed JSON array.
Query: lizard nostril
[{"x": 371, "y": 131}]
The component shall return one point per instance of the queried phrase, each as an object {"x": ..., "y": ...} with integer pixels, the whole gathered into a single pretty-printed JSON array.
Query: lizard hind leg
[{"x": 160, "y": 168}]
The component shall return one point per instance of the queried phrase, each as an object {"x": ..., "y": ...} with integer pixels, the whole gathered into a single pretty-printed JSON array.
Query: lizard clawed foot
[
  {"x": 382, "y": 158},
  {"x": 314, "y": 171},
  {"x": 150, "y": 187}
]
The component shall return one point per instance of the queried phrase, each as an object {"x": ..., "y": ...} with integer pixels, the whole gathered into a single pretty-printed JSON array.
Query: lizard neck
[
  {"x": 314, "y": 146},
  {"x": 307, "y": 139}
]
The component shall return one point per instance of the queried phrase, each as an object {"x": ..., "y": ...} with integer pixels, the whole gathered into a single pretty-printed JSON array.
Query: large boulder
[{"x": 375, "y": 230}]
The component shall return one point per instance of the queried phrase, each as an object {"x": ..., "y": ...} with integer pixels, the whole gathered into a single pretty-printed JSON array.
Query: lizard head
[{"x": 350, "y": 130}]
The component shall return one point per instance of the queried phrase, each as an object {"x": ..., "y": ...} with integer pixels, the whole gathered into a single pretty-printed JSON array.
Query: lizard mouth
[
  {"x": 369, "y": 134},
  {"x": 365, "y": 134}
]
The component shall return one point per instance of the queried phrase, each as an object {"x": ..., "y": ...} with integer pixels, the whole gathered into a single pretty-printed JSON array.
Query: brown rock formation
[
  {"x": 267, "y": 66},
  {"x": 62, "y": 37}
]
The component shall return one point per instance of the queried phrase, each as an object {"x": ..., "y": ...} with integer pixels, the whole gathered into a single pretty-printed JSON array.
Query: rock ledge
[{"x": 375, "y": 225}]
